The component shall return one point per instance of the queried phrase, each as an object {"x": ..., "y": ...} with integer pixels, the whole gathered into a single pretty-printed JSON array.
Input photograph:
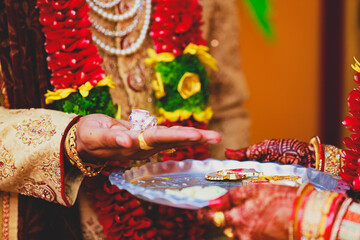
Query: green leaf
[{"x": 260, "y": 10}]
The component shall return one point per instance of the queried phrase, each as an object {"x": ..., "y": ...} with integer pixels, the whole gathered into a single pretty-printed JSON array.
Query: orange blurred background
[{"x": 284, "y": 74}]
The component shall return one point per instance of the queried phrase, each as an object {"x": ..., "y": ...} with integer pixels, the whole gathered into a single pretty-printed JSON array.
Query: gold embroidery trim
[
  {"x": 30, "y": 187},
  {"x": 7, "y": 164},
  {"x": 5, "y": 217},
  {"x": 1, "y": 210},
  {"x": 51, "y": 169}
]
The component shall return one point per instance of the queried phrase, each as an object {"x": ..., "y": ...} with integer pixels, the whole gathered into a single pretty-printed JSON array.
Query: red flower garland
[
  {"x": 199, "y": 152},
  {"x": 72, "y": 58},
  {"x": 122, "y": 215},
  {"x": 176, "y": 24},
  {"x": 350, "y": 172},
  {"x": 176, "y": 223}
]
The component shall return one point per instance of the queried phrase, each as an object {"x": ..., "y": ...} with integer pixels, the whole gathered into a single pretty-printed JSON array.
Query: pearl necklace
[
  {"x": 106, "y": 4},
  {"x": 114, "y": 17},
  {"x": 134, "y": 47},
  {"x": 111, "y": 33}
]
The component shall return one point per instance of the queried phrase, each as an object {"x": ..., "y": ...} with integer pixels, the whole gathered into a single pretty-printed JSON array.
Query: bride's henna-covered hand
[
  {"x": 254, "y": 211},
  {"x": 285, "y": 151}
]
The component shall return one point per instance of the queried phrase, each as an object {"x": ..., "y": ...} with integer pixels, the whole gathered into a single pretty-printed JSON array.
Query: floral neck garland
[
  {"x": 180, "y": 58},
  {"x": 175, "y": 25},
  {"x": 73, "y": 59},
  {"x": 350, "y": 171}
]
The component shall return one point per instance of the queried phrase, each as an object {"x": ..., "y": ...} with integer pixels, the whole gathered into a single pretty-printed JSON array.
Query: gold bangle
[
  {"x": 332, "y": 160},
  {"x": 315, "y": 142},
  {"x": 143, "y": 145},
  {"x": 88, "y": 169}
]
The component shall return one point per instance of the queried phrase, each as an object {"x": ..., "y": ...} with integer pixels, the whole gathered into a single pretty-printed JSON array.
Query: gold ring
[
  {"x": 143, "y": 145},
  {"x": 170, "y": 150},
  {"x": 219, "y": 219}
]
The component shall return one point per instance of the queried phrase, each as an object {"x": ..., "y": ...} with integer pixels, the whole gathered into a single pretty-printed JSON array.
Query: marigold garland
[{"x": 350, "y": 172}]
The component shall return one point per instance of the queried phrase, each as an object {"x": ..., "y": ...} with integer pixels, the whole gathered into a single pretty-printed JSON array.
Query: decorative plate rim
[{"x": 122, "y": 179}]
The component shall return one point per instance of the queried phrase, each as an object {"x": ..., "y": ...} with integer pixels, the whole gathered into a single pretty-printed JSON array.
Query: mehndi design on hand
[{"x": 285, "y": 151}]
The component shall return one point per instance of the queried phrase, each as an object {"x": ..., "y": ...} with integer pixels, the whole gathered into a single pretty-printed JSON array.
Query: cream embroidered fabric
[{"x": 30, "y": 154}]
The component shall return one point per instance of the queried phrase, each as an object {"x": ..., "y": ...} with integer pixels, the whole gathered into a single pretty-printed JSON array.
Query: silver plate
[{"x": 149, "y": 181}]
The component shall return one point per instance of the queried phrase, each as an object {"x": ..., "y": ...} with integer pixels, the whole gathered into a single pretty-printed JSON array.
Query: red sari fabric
[{"x": 23, "y": 74}]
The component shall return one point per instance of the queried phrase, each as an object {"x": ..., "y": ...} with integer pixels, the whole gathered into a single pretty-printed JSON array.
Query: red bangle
[
  {"x": 331, "y": 215},
  {"x": 350, "y": 224},
  {"x": 291, "y": 219},
  {"x": 302, "y": 191},
  {"x": 339, "y": 217},
  {"x": 322, "y": 158},
  {"x": 301, "y": 212}
]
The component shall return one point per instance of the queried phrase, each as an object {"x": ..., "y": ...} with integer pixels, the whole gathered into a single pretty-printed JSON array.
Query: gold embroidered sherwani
[{"x": 30, "y": 162}]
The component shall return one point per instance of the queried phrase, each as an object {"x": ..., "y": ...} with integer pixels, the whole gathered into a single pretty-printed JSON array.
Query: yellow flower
[
  {"x": 189, "y": 85},
  {"x": 158, "y": 86},
  {"x": 107, "y": 81},
  {"x": 177, "y": 115},
  {"x": 118, "y": 111},
  {"x": 202, "y": 53},
  {"x": 51, "y": 96},
  {"x": 356, "y": 66},
  {"x": 84, "y": 90},
  {"x": 161, "y": 57},
  {"x": 204, "y": 116},
  {"x": 182, "y": 114},
  {"x": 86, "y": 87}
]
